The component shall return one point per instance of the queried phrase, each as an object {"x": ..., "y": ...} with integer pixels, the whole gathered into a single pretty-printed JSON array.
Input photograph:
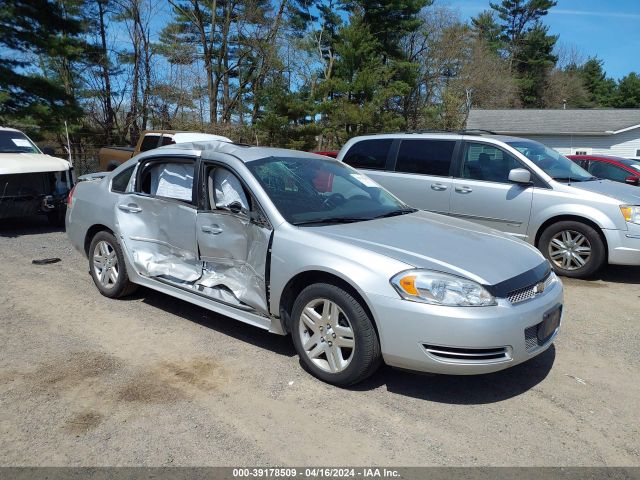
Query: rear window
[
  {"x": 369, "y": 154},
  {"x": 149, "y": 142},
  {"x": 427, "y": 157}
]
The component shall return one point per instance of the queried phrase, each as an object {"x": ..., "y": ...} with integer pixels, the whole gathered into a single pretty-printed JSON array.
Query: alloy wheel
[
  {"x": 326, "y": 335},
  {"x": 569, "y": 250},
  {"x": 105, "y": 264}
]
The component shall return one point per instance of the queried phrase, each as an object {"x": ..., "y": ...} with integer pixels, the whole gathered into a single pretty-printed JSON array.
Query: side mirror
[
  {"x": 48, "y": 151},
  {"x": 632, "y": 180},
  {"x": 520, "y": 175},
  {"x": 233, "y": 207}
]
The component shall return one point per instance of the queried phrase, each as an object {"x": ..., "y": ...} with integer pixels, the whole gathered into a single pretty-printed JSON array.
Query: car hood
[
  {"x": 437, "y": 242},
  {"x": 619, "y": 191},
  {"x": 12, "y": 163}
]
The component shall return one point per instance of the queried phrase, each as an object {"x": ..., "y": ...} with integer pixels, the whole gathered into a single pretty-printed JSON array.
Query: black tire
[
  {"x": 593, "y": 263},
  {"x": 365, "y": 356},
  {"x": 56, "y": 217},
  {"x": 122, "y": 285}
]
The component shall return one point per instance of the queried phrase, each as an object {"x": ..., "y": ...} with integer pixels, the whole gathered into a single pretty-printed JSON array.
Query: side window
[
  {"x": 488, "y": 163},
  {"x": 167, "y": 140},
  {"x": 608, "y": 171},
  {"x": 427, "y": 157},
  {"x": 168, "y": 179},
  {"x": 583, "y": 163},
  {"x": 224, "y": 189},
  {"x": 369, "y": 154},
  {"x": 121, "y": 180},
  {"x": 149, "y": 142}
]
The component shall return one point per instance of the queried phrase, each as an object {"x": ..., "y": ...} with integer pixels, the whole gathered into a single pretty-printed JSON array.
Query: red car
[
  {"x": 609, "y": 167},
  {"x": 328, "y": 153}
]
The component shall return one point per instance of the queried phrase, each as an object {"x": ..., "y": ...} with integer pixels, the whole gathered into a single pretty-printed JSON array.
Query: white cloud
[{"x": 559, "y": 11}]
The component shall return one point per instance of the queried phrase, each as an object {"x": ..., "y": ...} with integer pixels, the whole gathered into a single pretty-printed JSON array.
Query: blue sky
[{"x": 608, "y": 29}]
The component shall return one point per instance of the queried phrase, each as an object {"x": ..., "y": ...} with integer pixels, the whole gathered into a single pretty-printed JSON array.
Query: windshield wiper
[
  {"x": 14, "y": 151},
  {"x": 395, "y": 213},
  {"x": 569, "y": 179},
  {"x": 328, "y": 221}
]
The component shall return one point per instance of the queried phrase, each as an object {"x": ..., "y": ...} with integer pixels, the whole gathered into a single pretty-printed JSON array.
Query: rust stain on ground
[
  {"x": 83, "y": 422},
  {"x": 170, "y": 382},
  {"x": 74, "y": 369}
]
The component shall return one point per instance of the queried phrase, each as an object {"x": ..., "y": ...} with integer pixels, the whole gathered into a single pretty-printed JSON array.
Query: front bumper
[
  {"x": 624, "y": 245},
  {"x": 462, "y": 340}
]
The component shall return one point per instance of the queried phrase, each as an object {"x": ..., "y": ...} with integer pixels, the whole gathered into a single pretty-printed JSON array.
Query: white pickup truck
[{"x": 31, "y": 182}]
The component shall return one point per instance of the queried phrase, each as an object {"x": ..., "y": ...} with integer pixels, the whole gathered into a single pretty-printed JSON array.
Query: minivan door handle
[
  {"x": 439, "y": 187},
  {"x": 131, "y": 208},
  {"x": 213, "y": 229},
  {"x": 464, "y": 189}
]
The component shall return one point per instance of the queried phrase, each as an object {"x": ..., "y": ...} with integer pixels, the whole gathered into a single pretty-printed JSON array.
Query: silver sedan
[{"x": 301, "y": 244}]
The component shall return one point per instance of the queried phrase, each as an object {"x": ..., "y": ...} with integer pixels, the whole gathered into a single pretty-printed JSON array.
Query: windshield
[
  {"x": 557, "y": 166},
  {"x": 316, "y": 191},
  {"x": 16, "y": 142}
]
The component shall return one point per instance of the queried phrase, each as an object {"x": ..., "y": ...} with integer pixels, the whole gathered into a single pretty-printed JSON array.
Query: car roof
[
  {"x": 7, "y": 129},
  {"x": 245, "y": 153},
  {"x": 443, "y": 135}
]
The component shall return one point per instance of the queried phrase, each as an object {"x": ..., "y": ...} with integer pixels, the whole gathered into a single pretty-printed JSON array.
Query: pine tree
[
  {"x": 601, "y": 90},
  {"x": 31, "y": 29}
]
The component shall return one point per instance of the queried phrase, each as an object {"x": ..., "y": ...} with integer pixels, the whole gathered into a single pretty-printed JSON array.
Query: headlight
[
  {"x": 631, "y": 213},
  {"x": 438, "y": 288}
]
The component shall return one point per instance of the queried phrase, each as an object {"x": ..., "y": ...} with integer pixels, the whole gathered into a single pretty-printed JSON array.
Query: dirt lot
[{"x": 151, "y": 380}]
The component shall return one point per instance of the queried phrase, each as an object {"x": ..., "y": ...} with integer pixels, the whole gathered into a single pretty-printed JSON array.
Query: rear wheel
[
  {"x": 334, "y": 336},
  {"x": 107, "y": 267},
  {"x": 573, "y": 248}
]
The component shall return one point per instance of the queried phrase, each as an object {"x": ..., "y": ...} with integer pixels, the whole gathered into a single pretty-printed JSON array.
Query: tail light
[{"x": 70, "y": 196}]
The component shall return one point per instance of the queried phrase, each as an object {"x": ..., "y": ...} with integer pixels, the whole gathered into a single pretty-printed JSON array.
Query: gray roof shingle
[{"x": 554, "y": 122}]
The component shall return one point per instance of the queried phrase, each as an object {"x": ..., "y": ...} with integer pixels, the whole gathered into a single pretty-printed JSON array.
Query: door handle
[
  {"x": 439, "y": 187},
  {"x": 213, "y": 229},
  {"x": 131, "y": 208},
  {"x": 464, "y": 189}
]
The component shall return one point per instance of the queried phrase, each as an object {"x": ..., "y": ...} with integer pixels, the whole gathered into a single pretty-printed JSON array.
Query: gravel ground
[{"x": 152, "y": 380}]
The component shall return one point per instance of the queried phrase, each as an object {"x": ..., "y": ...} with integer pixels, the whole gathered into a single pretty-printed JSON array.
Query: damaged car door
[
  {"x": 233, "y": 237},
  {"x": 157, "y": 221}
]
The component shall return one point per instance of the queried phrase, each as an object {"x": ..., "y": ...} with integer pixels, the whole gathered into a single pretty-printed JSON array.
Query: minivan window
[
  {"x": 488, "y": 163},
  {"x": 557, "y": 166},
  {"x": 369, "y": 154},
  {"x": 427, "y": 157}
]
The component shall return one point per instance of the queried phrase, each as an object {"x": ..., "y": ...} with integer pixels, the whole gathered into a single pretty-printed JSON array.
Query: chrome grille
[
  {"x": 469, "y": 355},
  {"x": 527, "y": 293}
]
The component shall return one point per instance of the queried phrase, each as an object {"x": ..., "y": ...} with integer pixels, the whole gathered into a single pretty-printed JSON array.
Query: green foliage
[
  {"x": 601, "y": 90},
  {"x": 488, "y": 30},
  {"x": 30, "y": 29},
  {"x": 389, "y": 21},
  {"x": 629, "y": 92}
]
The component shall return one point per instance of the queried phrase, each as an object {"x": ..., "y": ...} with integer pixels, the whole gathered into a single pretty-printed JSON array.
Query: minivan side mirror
[
  {"x": 520, "y": 175},
  {"x": 48, "y": 151},
  {"x": 632, "y": 180}
]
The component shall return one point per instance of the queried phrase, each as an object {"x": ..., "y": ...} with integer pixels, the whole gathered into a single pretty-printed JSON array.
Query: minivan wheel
[
  {"x": 573, "y": 248},
  {"x": 107, "y": 267},
  {"x": 334, "y": 336}
]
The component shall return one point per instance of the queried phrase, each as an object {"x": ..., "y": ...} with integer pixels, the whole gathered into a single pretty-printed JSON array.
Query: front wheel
[
  {"x": 573, "y": 248},
  {"x": 107, "y": 267},
  {"x": 334, "y": 336}
]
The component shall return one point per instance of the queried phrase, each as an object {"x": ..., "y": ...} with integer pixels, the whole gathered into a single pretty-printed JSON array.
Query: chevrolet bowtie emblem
[{"x": 539, "y": 288}]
